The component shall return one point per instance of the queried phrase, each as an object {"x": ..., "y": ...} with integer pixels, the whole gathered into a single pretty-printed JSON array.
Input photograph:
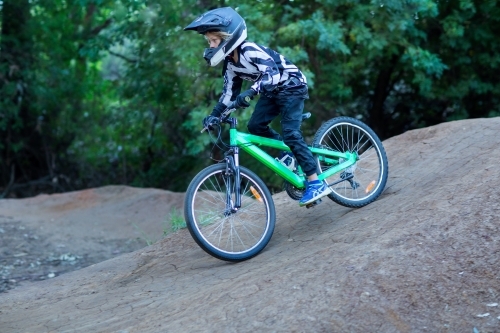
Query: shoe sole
[{"x": 323, "y": 194}]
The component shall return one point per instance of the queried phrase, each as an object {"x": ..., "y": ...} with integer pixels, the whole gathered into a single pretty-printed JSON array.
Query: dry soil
[{"x": 424, "y": 257}]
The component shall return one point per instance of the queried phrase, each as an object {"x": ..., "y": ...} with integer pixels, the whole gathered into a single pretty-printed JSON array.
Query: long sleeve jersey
[{"x": 265, "y": 67}]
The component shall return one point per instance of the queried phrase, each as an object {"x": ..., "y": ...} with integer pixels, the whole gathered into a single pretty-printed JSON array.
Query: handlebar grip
[{"x": 230, "y": 107}]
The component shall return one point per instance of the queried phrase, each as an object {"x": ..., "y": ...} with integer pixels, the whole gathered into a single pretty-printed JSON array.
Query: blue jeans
[{"x": 290, "y": 107}]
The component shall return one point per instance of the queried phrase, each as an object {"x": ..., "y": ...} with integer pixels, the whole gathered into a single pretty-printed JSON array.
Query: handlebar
[{"x": 231, "y": 108}]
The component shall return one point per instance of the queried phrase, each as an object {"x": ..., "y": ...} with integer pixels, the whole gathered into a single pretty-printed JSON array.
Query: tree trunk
[
  {"x": 381, "y": 91},
  {"x": 20, "y": 146}
]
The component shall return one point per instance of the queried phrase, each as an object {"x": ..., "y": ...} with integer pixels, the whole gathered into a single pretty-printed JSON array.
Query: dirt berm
[{"x": 425, "y": 257}]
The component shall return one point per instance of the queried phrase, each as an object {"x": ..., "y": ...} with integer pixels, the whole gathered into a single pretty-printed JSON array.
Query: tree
[
  {"x": 21, "y": 149},
  {"x": 45, "y": 89},
  {"x": 97, "y": 92}
]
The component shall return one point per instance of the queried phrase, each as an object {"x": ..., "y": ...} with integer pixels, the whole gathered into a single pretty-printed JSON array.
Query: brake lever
[
  {"x": 226, "y": 113},
  {"x": 223, "y": 116}
]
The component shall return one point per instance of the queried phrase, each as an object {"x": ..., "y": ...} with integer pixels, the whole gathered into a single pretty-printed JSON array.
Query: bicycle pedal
[{"x": 312, "y": 204}]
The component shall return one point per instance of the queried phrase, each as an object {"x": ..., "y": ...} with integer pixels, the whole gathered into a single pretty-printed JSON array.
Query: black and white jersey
[{"x": 265, "y": 67}]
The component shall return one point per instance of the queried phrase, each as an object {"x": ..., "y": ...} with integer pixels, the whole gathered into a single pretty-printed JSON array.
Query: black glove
[
  {"x": 218, "y": 109},
  {"x": 210, "y": 120},
  {"x": 243, "y": 99},
  {"x": 213, "y": 118}
]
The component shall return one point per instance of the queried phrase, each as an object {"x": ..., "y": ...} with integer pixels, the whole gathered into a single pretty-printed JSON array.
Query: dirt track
[{"x": 425, "y": 257}]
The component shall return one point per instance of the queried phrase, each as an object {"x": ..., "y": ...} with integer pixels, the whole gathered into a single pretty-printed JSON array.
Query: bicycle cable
[{"x": 215, "y": 140}]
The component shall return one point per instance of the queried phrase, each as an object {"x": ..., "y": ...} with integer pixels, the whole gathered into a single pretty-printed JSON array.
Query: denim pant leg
[
  {"x": 265, "y": 111},
  {"x": 291, "y": 118}
]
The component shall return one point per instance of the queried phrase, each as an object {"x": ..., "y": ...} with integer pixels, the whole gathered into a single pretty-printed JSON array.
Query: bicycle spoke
[
  {"x": 230, "y": 231},
  {"x": 349, "y": 135}
]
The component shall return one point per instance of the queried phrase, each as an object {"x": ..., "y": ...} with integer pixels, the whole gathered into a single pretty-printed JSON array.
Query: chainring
[{"x": 293, "y": 192}]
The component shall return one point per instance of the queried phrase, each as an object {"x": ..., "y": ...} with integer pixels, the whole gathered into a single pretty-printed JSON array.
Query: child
[{"x": 281, "y": 85}]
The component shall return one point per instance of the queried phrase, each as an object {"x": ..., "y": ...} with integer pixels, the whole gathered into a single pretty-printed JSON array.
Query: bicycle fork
[{"x": 232, "y": 172}]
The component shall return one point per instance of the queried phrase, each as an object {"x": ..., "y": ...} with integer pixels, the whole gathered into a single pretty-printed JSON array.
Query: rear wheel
[
  {"x": 366, "y": 179},
  {"x": 224, "y": 233}
]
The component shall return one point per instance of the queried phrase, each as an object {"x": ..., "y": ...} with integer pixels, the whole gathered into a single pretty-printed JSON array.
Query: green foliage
[
  {"x": 176, "y": 219},
  {"x": 114, "y": 91}
]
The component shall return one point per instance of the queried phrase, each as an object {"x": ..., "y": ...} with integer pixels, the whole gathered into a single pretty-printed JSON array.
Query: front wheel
[
  {"x": 363, "y": 182},
  {"x": 225, "y": 233}
]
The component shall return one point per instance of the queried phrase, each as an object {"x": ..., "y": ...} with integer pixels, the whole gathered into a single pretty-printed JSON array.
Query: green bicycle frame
[{"x": 250, "y": 143}]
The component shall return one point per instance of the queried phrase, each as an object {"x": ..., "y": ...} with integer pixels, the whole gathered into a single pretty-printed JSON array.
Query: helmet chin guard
[{"x": 225, "y": 20}]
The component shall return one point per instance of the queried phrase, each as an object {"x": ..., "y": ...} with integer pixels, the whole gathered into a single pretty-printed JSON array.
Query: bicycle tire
[
  {"x": 232, "y": 237},
  {"x": 369, "y": 173}
]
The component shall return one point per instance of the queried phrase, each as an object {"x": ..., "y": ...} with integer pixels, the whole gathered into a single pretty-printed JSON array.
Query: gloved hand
[
  {"x": 210, "y": 120},
  {"x": 218, "y": 109},
  {"x": 241, "y": 99}
]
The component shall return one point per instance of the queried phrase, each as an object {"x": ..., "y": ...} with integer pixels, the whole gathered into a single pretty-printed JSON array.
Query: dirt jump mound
[{"x": 424, "y": 257}]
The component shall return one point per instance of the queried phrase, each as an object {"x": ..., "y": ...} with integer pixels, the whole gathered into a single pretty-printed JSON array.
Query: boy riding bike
[{"x": 281, "y": 85}]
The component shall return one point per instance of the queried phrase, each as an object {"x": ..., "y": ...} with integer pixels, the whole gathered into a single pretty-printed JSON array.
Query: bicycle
[{"x": 230, "y": 212}]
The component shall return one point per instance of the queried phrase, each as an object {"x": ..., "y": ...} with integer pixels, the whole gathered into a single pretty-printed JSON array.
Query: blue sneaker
[{"x": 316, "y": 189}]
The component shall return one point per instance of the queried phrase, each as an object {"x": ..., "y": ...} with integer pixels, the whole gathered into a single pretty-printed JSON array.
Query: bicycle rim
[
  {"x": 365, "y": 180},
  {"x": 231, "y": 235}
]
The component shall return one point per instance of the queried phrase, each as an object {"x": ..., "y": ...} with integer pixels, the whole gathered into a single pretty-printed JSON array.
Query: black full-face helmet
[{"x": 225, "y": 20}]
